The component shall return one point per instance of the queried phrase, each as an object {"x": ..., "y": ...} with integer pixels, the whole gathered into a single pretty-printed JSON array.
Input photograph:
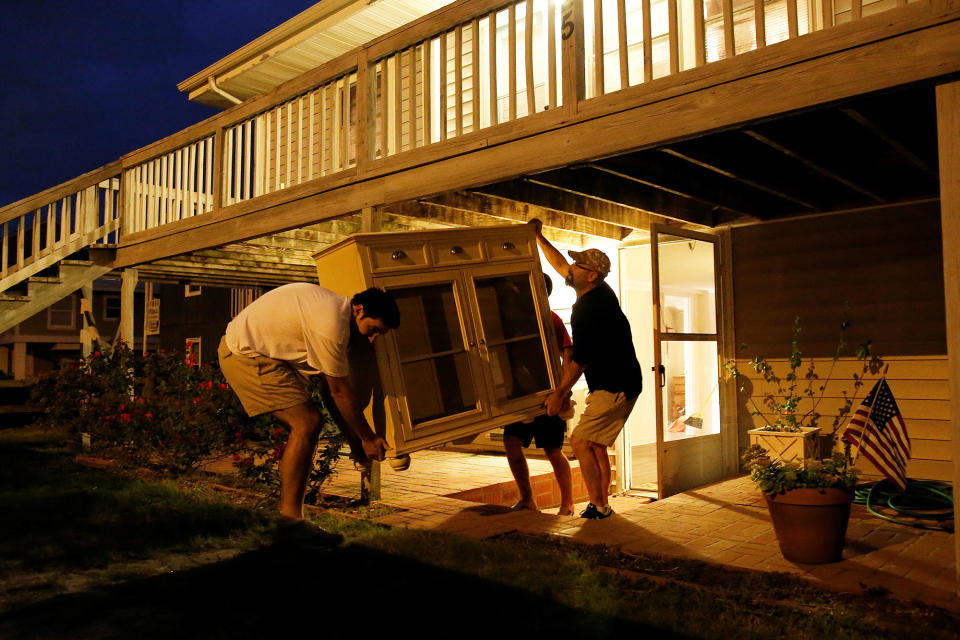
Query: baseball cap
[{"x": 593, "y": 258}]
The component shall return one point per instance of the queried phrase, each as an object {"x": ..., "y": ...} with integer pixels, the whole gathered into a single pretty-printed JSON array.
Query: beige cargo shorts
[
  {"x": 604, "y": 417},
  {"x": 262, "y": 384}
]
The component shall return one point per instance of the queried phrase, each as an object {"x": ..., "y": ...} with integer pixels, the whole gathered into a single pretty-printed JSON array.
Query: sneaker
[{"x": 593, "y": 512}]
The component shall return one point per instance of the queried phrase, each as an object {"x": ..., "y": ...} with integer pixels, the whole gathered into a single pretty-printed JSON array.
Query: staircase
[
  {"x": 41, "y": 238},
  {"x": 38, "y": 292}
]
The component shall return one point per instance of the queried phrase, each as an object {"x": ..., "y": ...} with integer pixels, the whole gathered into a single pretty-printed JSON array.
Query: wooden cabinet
[{"x": 475, "y": 348}]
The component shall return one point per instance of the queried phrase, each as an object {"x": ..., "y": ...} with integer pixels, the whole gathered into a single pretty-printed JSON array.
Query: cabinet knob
[
  {"x": 398, "y": 254},
  {"x": 507, "y": 246},
  {"x": 454, "y": 250},
  {"x": 472, "y": 344}
]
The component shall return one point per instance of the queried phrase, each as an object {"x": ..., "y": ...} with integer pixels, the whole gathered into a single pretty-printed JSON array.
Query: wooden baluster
[
  {"x": 674, "y": 36},
  {"x": 458, "y": 78},
  {"x": 760, "y": 23},
  {"x": 528, "y": 57},
  {"x": 311, "y": 133},
  {"x": 856, "y": 9},
  {"x": 826, "y": 8},
  {"x": 288, "y": 176},
  {"x": 397, "y": 118},
  {"x": 699, "y": 34},
  {"x": 792, "y": 18},
  {"x": 427, "y": 107},
  {"x": 728, "y": 41},
  {"x": 208, "y": 174},
  {"x": 512, "y": 62},
  {"x": 622, "y": 43},
  {"x": 492, "y": 37},
  {"x": 300, "y": 145},
  {"x": 647, "y": 42},
  {"x": 598, "y": 71},
  {"x": 551, "y": 54},
  {"x": 442, "y": 42}
]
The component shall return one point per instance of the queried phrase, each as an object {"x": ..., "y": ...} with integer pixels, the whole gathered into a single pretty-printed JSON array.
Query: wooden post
[
  {"x": 948, "y": 133},
  {"x": 366, "y": 112},
  {"x": 19, "y": 365},
  {"x": 218, "y": 159},
  {"x": 572, "y": 55},
  {"x": 128, "y": 284},
  {"x": 370, "y": 220},
  {"x": 86, "y": 313}
]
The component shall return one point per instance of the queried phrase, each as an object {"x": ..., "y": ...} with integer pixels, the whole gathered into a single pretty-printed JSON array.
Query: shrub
[{"x": 161, "y": 412}]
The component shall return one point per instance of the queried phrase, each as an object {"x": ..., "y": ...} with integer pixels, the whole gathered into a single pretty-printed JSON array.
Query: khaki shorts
[
  {"x": 604, "y": 417},
  {"x": 262, "y": 384}
]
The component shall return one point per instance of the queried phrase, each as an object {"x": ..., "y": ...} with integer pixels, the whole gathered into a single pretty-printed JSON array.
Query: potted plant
[
  {"x": 808, "y": 495},
  {"x": 809, "y": 506},
  {"x": 791, "y": 434}
]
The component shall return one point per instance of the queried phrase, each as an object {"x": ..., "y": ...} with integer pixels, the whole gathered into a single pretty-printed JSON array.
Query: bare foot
[
  {"x": 521, "y": 505},
  {"x": 565, "y": 511}
]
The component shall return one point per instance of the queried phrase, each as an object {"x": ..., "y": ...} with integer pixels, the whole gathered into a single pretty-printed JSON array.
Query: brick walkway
[{"x": 725, "y": 523}]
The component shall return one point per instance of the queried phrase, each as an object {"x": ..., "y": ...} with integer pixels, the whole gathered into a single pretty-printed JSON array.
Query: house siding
[{"x": 886, "y": 264}]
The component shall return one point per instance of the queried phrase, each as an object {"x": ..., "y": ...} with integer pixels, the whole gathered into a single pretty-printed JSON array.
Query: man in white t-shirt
[{"x": 279, "y": 342}]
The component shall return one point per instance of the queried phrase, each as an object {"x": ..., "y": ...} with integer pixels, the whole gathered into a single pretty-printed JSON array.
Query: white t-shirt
[{"x": 303, "y": 324}]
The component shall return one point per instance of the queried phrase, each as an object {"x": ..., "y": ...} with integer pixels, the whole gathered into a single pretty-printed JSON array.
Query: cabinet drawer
[
  {"x": 452, "y": 252},
  {"x": 509, "y": 248},
  {"x": 397, "y": 257}
]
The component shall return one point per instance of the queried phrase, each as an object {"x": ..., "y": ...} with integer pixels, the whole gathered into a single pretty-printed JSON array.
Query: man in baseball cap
[{"x": 603, "y": 351}]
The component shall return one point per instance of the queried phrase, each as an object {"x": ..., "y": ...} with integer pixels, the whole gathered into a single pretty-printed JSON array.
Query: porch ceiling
[{"x": 874, "y": 150}]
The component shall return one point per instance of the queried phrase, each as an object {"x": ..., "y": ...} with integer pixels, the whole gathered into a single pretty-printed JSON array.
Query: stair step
[
  {"x": 10, "y": 297},
  {"x": 44, "y": 279}
]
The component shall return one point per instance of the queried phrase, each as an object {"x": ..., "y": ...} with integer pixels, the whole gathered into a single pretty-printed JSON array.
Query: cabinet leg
[{"x": 370, "y": 483}]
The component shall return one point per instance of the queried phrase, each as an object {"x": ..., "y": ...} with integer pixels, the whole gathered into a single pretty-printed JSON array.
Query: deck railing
[
  {"x": 38, "y": 232},
  {"x": 473, "y": 69}
]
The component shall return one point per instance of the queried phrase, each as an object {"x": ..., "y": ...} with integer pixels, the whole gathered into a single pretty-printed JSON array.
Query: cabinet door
[
  {"x": 437, "y": 369},
  {"x": 512, "y": 335}
]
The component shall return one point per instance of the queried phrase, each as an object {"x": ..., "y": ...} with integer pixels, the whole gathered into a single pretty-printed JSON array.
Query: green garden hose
[{"x": 929, "y": 501}]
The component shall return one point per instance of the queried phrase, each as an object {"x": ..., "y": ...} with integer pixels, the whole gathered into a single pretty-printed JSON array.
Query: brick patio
[{"x": 725, "y": 523}]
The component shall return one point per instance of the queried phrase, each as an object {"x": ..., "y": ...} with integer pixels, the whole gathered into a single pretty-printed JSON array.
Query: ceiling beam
[
  {"x": 514, "y": 211},
  {"x": 529, "y": 191},
  {"x": 868, "y": 124},
  {"x": 813, "y": 166},
  {"x": 588, "y": 182},
  {"x": 458, "y": 218}
]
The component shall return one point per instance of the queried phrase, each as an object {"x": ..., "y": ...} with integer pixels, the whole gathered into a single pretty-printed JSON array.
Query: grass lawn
[{"x": 86, "y": 553}]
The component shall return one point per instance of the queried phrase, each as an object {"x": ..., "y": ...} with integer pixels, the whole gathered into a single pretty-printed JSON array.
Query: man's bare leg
[
  {"x": 603, "y": 464},
  {"x": 513, "y": 447},
  {"x": 561, "y": 470},
  {"x": 304, "y": 421},
  {"x": 589, "y": 468}
]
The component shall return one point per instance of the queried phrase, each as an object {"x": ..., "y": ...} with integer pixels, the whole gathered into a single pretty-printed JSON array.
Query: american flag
[{"x": 877, "y": 431}]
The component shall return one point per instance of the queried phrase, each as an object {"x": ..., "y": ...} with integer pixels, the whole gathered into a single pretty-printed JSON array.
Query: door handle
[{"x": 663, "y": 375}]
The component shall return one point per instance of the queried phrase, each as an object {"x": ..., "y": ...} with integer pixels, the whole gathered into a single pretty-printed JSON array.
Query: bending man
[
  {"x": 276, "y": 344},
  {"x": 603, "y": 351}
]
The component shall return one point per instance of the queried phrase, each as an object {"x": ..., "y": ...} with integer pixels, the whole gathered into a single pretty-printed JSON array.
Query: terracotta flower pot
[{"x": 811, "y": 524}]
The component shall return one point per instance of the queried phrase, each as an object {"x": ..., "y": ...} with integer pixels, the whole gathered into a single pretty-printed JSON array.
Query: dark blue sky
[{"x": 86, "y": 81}]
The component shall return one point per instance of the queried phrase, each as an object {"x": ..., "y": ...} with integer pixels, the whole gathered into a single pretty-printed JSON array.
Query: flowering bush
[
  {"x": 775, "y": 477},
  {"x": 166, "y": 413}
]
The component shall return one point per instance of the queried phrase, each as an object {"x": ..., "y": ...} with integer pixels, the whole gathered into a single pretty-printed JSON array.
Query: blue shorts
[{"x": 547, "y": 430}]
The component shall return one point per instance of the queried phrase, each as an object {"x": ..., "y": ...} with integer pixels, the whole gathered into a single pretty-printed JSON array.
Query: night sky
[{"x": 86, "y": 81}]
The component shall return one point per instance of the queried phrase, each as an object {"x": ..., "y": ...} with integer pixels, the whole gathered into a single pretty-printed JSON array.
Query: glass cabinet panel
[
  {"x": 434, "y": 362},
  {"x": 511, "y": 331}
]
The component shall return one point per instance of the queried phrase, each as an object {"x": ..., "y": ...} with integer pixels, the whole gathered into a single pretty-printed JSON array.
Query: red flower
[
  {"x": 238, "y": 435},
  {"x": 122, "y": 407},
  {"x": 96, "y": 354},
  {"x": 277, "y": 432},
  {"x": 236, "y": 456},
  {"x": 223, "y": 386},
  {"x": 148, "y": 415},
  {"x": 176, "y": 437},
  {"x": 124, "y": 417},
  {"x": 210, "y": 384},
  {"x": 196, "y": 401}
]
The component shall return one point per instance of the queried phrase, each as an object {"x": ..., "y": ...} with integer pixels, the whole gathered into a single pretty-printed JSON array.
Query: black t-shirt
[{"x": 602, "y": 343}]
